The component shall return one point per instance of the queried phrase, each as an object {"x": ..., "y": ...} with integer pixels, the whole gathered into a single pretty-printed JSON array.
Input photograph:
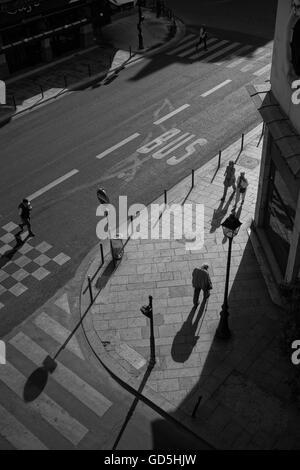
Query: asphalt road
[{"x": 67, "y": 135}]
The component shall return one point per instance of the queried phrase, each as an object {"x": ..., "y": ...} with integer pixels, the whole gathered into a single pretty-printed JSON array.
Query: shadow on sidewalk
[
  {"x": 186, "y": 338},
  {"x": 6, "y": 257},
  {"x": 219, "y": 214}
]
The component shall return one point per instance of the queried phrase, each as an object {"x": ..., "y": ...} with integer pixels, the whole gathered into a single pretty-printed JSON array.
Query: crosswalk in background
[
  {"x": 67, "y": 412},
  {"x": 245, "y": 57}
]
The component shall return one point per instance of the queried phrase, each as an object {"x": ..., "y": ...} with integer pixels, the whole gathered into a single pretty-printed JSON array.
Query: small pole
[
  {"x": 193, "y": 178},
  {"x": 219, "y": 162},
  {"x": 89, "y": 70},
  {"x": 129, "y": 52},
  {"x": 261, "y": 136},
  {"x": 131, "y": 223},
  {"x": 102, "y": 256},
  {"x": 152, "y": 339},
  {"x": 14, "y": 101},
  {"x": 90, "y": 289},
  {"x": 242, "y": 144},
  {"x": 196, "y": 406},
  {"x": 42, "y": 91},
  {"x": 165, "y": 196},
  {"x": 65, "y": 81}
]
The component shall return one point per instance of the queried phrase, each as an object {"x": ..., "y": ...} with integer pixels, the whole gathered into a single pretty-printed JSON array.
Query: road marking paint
[
  {"x": 215, "y": 88},
  {"x": 167, "y": 116},
  {"x": 254, "y": 62},
  {"x": 190, "y": 38},
  {"x": 192, "y": 49},
  {"x": 222, "y": 51},
  {"x": 56, "y": 416},
  {"x": 67, "y": 379},
  {"x": 264, "y": 69},
  {"x": 234, "y": 55},
  {"x": 115, "y": 147},
  {"x": 54, "y": 329},
  {"x": 197, "y": 55},
  {"x": 52, "y": 185},
  {"x": 166, "y": 150},
  {"x": 16, "y": 433}
]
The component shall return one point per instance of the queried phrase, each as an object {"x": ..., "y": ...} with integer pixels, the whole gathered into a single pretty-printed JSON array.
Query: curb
[
  {"x": 96, "y": 352},
  {"x": 90, "y": 81}
]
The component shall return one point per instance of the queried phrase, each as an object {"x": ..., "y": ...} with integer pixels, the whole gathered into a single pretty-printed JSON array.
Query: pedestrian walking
[
  {"x": 202, "y": 38},
  {"x": 229, "y": 179},
  {"x": 242, "y": 184},
  {"x": 201, "y": 280},
  {"x": 24, "y": 212}
]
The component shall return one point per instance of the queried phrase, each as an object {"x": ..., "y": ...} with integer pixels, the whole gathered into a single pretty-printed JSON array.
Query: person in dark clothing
[
  {"x": 24, "y": 212},
  {"x": 201, "y": 280},
  {"x": 202, "y": 38}
]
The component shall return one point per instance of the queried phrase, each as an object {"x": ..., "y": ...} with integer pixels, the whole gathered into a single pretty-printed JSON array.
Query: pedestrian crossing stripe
[
  {"x": 58, "y": 332},
  {"x": 187, "y": 48},
  {"x": 44, "y": 406},
  {"x": 264, "y": 69},
  {"x": 67, "y": 379},
  {"x": 17, "y": 434}
]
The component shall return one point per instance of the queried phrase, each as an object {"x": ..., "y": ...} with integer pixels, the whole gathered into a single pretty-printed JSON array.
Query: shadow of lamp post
[
  {"x": 139, "y": 26},
  {"x": 147, "y": 310},
  {"x": 231, "y": 227}
]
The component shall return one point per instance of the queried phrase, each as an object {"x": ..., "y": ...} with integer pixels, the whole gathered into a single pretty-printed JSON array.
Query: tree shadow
[
  {"x": 186, "y": 338},
  {"x": 35, "y": 384}
]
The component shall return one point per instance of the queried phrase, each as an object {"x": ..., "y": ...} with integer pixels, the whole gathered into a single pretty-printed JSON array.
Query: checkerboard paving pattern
[{"x": 33, "y": 260}]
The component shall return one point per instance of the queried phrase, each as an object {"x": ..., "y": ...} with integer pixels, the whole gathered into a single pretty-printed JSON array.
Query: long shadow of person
[
  {"x": 219, "y": 214},
  {"x": 186, "y": 338},
  {"x": 9, "y": 254}
]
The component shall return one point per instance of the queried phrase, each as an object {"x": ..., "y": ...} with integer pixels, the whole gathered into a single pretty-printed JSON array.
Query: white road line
[
  {"x": 215, "y": 88},
  {"x": 167, "y": 116},
  {"x": 54, "y": 329},
  {"x": 52, "y": 185},
  {"x": 115, "y": 147},
  {"x": 47, "y": 408},
  {"x": 67, "y": 379},
  {"x": 234, "y": 55},
  {"x": 264, "y": 69},
  {"x": 192, "y": 49},
  {"x": 15, "y": 433},
  {"x": 197, "y": 55},
  {"x": 255, "y": 62},
  {"x": 186, "y": 40}
]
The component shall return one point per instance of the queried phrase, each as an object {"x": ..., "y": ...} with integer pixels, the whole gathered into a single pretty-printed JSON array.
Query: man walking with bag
[
  {"x": 229, "y": 179},
  {"x": 242, "y": 184},
  {"x": 201, "y": 280},
  {"x": 24, "y": 212},
  {"x": 202, "y": 38}
]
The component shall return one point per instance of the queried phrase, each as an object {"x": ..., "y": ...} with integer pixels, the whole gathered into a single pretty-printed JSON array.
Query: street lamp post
[{"x": 231, "y": 228}]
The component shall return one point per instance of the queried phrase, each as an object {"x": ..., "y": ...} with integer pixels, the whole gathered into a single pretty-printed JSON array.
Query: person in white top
[{"x": 241, "y": 188}]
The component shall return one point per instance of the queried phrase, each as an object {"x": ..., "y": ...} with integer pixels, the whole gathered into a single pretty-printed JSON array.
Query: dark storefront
[{"x": 36, "y": 31}]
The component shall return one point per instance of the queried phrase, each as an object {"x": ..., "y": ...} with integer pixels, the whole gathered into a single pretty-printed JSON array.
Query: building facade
[
  {"x": 277, "y": 216},
  {"x": 37, "y": 31}
]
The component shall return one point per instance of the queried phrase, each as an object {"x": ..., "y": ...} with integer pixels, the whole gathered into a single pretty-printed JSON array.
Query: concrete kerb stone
[
  {"x": 93, "y": 341},
  {"x": 90, "y": 81}
]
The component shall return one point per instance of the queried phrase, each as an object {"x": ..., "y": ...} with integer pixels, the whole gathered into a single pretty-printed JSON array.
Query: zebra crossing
[
  {"x": 253, "y": 59},
  {"x": 42, "y": 411}
]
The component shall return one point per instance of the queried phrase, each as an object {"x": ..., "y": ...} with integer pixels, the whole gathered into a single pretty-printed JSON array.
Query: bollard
[
  {"x": 242, "y": 143},
  {"x": 165, "y": 196},
  {"x": 90, "y": 289},
  {"x": 130, "y": 52},
  {"x": 14, "y": 101},
  {"x": 42, "y": 91},
  {"x": 65, "y": 81},
  {"x": 131, "y": 222},
  {"x": 193, "y": 177},
  {"x": 102, "y": 256},
  {"x": 219, "y": 162},
  {"x": 89, "y": 70}
]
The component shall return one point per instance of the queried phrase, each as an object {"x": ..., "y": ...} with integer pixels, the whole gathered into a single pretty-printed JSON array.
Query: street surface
[{"x": 136, "y": 136}]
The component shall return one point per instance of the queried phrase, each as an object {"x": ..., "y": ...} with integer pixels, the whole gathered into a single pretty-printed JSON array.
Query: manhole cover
[{"x": 248, "y": 162}]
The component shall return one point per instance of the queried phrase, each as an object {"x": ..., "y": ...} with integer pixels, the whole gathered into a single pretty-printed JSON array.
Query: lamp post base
[{"x": 223, "y": 331}]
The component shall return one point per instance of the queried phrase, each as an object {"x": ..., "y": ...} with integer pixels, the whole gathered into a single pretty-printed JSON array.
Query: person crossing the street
[
  {"x": 24, "y": 213},
  {"x": 202, "y": 38}
]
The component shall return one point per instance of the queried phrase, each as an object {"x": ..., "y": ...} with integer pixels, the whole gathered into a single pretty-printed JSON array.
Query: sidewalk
[
  {"x": 118, "y": 48},
  {"x": 239, "y": 384}
]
